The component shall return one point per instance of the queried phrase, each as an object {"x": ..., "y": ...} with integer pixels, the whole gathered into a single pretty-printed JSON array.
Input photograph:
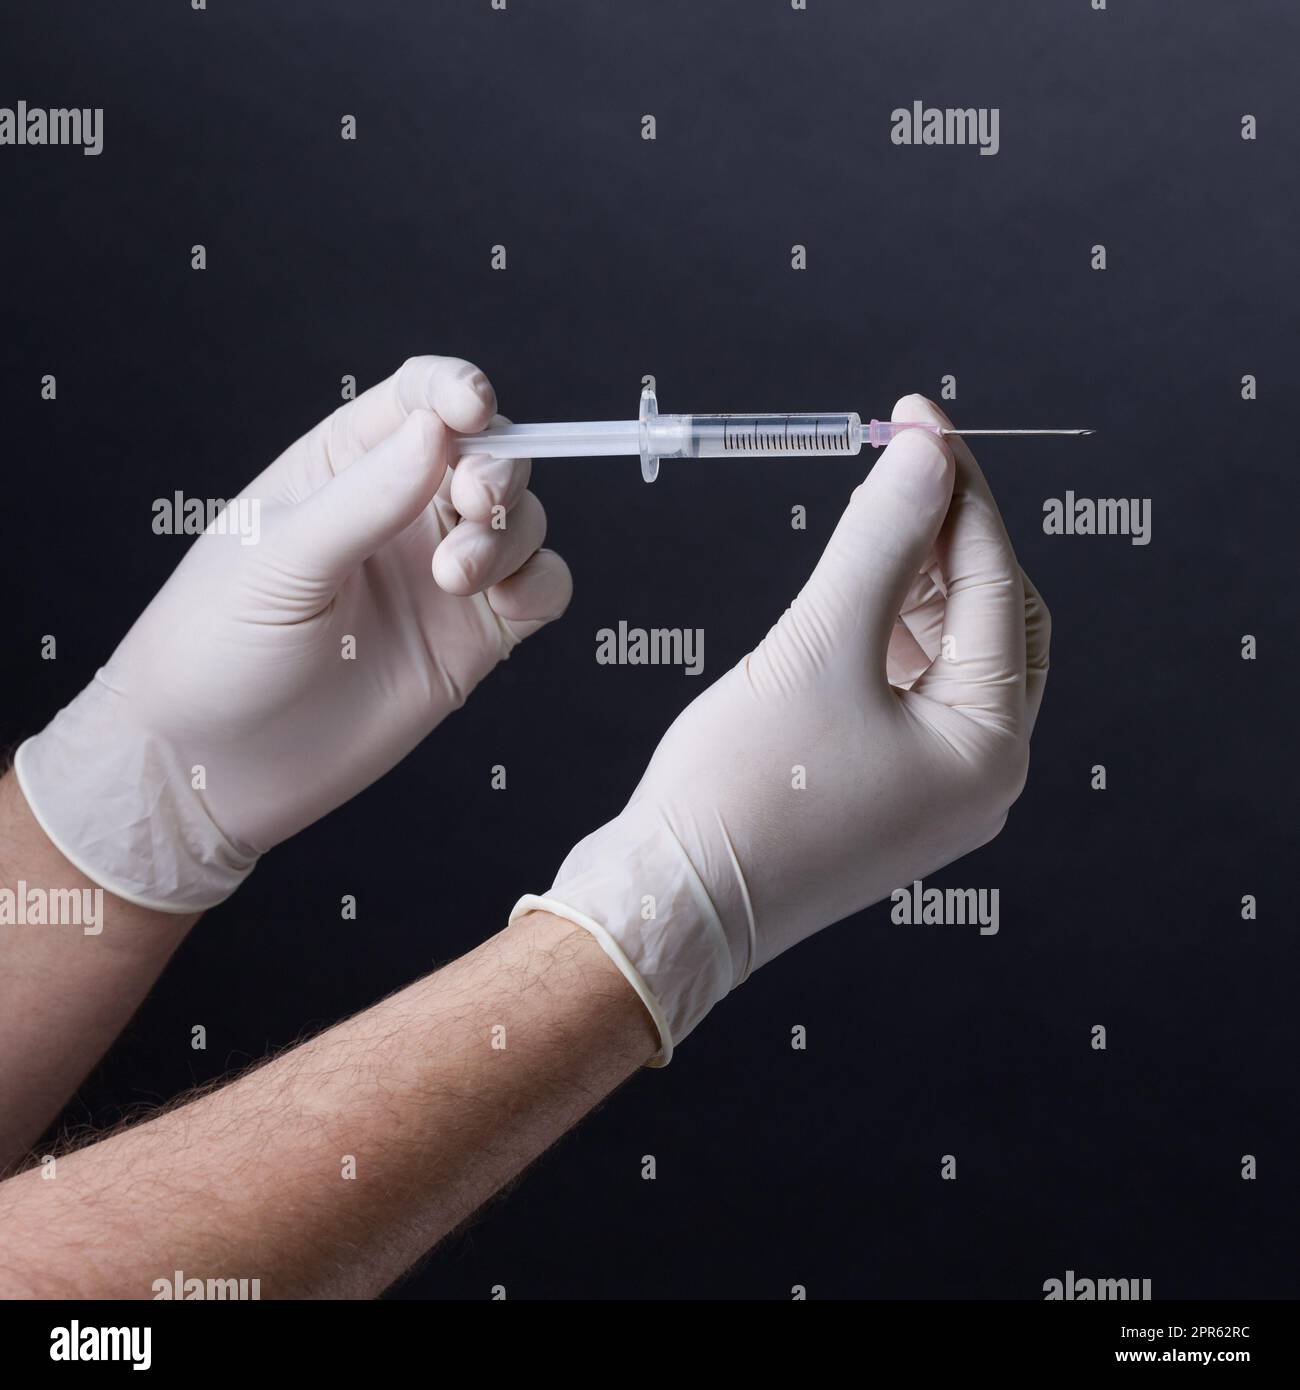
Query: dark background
[{"x": 627, "y": 257}]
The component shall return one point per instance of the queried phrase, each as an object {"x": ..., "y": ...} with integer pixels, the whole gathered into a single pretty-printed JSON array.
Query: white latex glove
[
  {"x": 718, "y": 863},
  {"x": 237, "y": 668}
]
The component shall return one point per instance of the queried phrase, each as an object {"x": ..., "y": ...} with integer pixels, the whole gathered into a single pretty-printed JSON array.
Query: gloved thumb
[
  {"x": 883, "y": 539},
  {"x": 342, "y": 524}
]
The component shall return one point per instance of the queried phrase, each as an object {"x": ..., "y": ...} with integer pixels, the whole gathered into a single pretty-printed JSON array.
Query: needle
[{"x": 1074, "y": 432}]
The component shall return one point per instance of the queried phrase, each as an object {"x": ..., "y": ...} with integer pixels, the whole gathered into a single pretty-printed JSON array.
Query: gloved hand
[
  {"x": 879, "y": 731},
  {"x": 235, "y": 711}
]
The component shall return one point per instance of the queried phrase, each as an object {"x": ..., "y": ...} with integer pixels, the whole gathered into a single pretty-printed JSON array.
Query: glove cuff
[
  {"x": 530, "y": 902},
  {"x": 634, "y": 888},
  {"x": 116, "y": 801}
]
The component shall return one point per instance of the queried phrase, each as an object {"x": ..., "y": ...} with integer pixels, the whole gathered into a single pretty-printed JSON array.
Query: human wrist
[
  {"x": 561, "y": 937},
  {"x": 33, "y": 864},
  {"x": 632, "y": 886},
  {"x": 117, "y": 801}
]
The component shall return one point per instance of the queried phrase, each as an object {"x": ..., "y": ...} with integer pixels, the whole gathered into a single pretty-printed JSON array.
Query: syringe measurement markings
[{"x": 758, "y": 439}]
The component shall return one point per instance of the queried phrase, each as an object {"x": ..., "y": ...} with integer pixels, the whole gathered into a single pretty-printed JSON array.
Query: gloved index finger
[
  {"x": 980, "y": 668},
  {"x": 455, "y": 390},
  {"x": 477, "y": 483}
]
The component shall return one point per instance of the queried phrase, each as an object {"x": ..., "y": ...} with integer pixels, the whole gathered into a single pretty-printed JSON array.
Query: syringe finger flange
[{"x": 647, "y": 415}]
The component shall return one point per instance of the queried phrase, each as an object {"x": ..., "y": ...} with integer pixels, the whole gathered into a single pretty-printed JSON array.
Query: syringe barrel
[{"x": 752, "y": 436}]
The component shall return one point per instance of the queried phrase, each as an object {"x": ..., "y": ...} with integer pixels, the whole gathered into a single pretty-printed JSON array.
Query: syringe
[{"x": 652, "y": 436}]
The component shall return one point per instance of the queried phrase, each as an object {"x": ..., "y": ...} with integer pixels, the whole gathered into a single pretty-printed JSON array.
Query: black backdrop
[{"x": 628, "y": 257}]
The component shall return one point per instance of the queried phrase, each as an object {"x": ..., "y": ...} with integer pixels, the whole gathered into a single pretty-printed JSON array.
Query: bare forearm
[
  {"x": 75, "y": 962},
  {"x": 330, "y": 1170}
]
